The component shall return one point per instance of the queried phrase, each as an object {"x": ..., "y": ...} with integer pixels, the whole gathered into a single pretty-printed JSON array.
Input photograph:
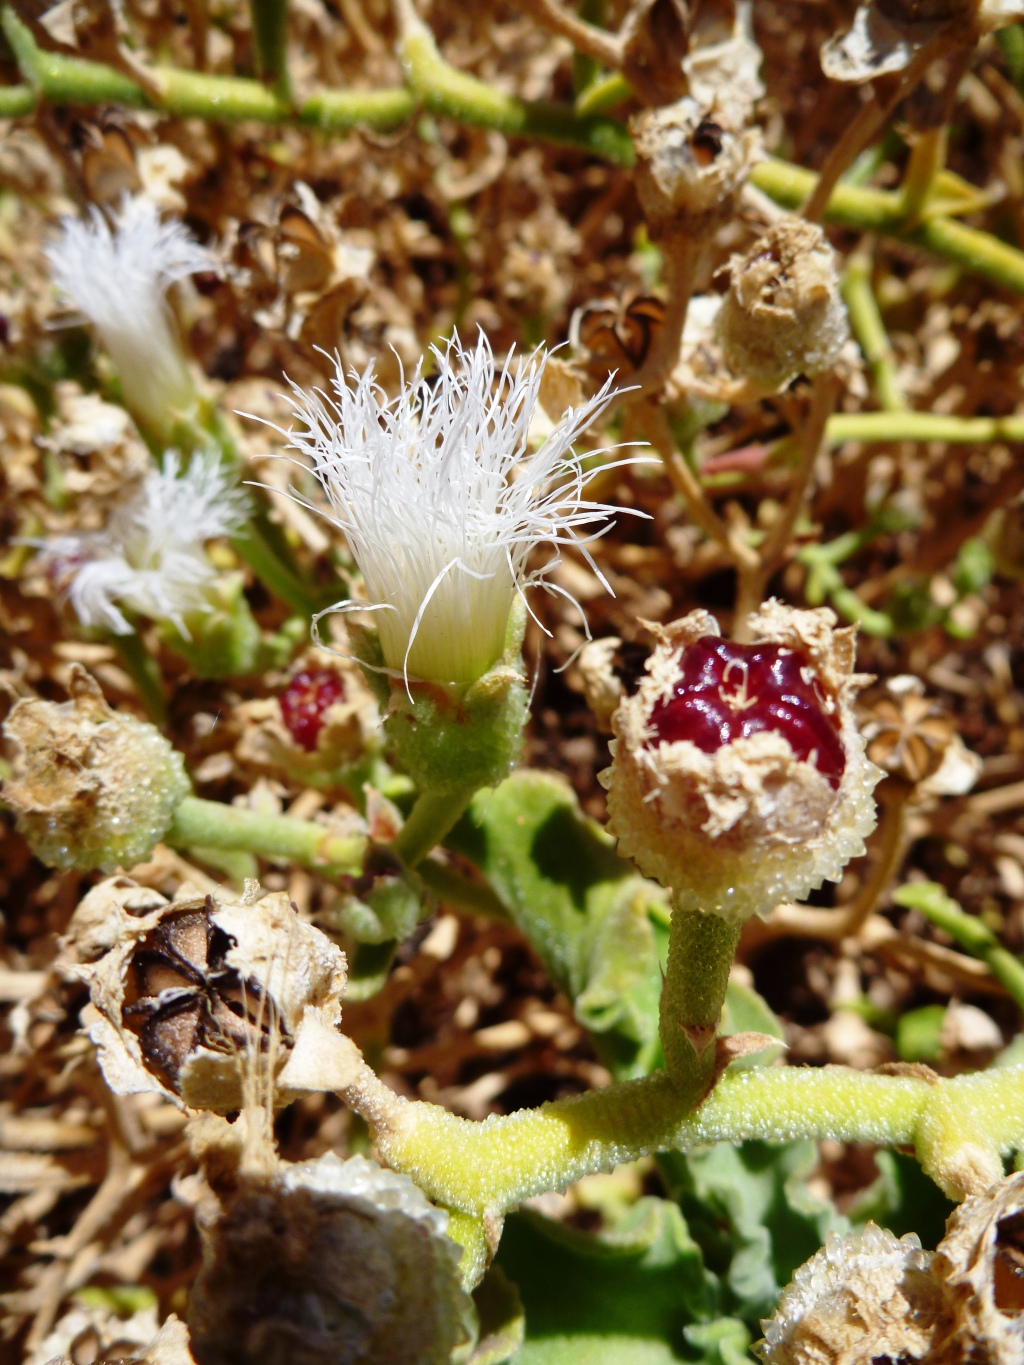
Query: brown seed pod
[
  {"x": 690, "y": 170},
  {"x": 980, "y": 1264},
  {"x": 91, "y": 787},
  {"x": 325, "y": 1263},
  {"x": 189, "y": 997},
  {"x": 783, "y": 314},
  {"x": 911, "y": 737},
  {"x": 864, "y": 1297}
]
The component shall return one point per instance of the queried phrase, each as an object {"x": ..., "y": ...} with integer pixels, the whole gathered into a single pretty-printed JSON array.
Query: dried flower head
[
  {"x": 117, "y": 277},
  {"x": 91, "y": 787},
  {"x": 690, "y": 169},
  {"x": 150, "y": 557},
  {"x": 911, "y": 737},
  {"x": 99, "y": 1336},
  {"x": 327, "y": 1262},
  {"x": 738, "y": 776},
  {"x": 980, "y": 1264},
  {"x": 190, "y": 998},
  {"x": 868, "y": 1296},
  {"x": 783, "y": 314},
  {"x": 886, "y": 35},
  {"x": 442, "y": 501},
  {"x": 723, "y": 68}
]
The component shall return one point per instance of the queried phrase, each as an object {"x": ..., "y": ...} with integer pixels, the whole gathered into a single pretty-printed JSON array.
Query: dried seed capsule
[
  {"x": 690, "y": 170},
  {"x": 325, "y": 1263},
  {"x": 191, "y": 997},
  {"x": 738, "y": 776},
  {"x": 867, "y": 1296},
  {"x": 783, "y": 314},
  {"x": 980, "y": 1264},
  {"x": 92, "y": 787}
]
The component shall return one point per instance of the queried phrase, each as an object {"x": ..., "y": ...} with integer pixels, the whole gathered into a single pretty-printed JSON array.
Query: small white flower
[
  {"x": 118, "y": 279},
  {"x": 442, "y": 501},
  {"x": 151, "y": 557}
]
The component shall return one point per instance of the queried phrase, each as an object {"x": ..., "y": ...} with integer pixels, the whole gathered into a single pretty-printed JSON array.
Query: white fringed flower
[
  {"x": 151, "y": 557},
  {"x": 442, "y": 501},
  {"x": 117, "y": 277}
]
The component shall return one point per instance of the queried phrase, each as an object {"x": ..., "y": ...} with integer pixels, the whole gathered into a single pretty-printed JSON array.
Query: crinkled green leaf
[
  {"x": 903, "y": 1199},
  {"x": 502, "y": 1325},
  {"x": 722, "y": 1342},
  {"x": 750, "y": 1209},
  {"x": 635, "y": 1288},
  {"x": 586, "y": 912}
]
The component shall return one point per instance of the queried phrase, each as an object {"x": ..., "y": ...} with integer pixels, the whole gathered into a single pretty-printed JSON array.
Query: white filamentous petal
[
  {"x": 441, "y": 500},
  {"x": 117, "y": 278},
  {"x": 150, "y": 557}
]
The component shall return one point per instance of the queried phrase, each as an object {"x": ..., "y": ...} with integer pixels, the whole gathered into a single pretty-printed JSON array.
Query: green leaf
[
  {"x": 746, "y": 1012},
  {"x": 502, "y": 1325},
  {"x": 623, "y": 1296},
  {"x": 596, "y": 925},
  {"x": 903, "y": 1199},
  {"x": 722, "y": 1342},
  {"x": 753, "y": 1215}
]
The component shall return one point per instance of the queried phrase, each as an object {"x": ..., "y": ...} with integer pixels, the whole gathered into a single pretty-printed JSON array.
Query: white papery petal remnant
[
  {"x": 117, "y": 277},
  {"x": 150, "y": 557},
  {"x": 442, "y": 501}
]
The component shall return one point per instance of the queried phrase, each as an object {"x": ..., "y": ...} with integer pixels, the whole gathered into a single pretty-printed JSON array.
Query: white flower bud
[
  {"x": 783, "y": 314},
  {"x": 738, "y": 775},
  {"x": 118, "y": 280},
  {"x": 91, "y": 787}
]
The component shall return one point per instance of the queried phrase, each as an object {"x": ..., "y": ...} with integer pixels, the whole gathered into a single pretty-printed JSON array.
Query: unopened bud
[
  {"x": 690, "y": 170},
  {"x": 92, "y": 787},
  {"x": 783, "y": 314},
  {"x": 738, "y": 776},
  {"x": 868, "y": 1296}
]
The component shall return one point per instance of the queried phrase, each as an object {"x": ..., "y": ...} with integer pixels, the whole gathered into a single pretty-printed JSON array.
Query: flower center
[
  {"x": 727, "y": 691},
  {"x": 304, "y": 702}
]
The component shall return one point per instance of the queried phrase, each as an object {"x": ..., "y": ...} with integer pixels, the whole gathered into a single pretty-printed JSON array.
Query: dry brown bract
[{"x": 887, "y": 35}]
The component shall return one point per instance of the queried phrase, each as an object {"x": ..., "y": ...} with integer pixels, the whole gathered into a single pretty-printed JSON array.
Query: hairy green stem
[
  {"x": 211, "y": 824},
  {"x": 144, "y": 672},
  {"x": 961, "y": 1128},
  {"x": 429, "y": 821},
  {"x": 700, "y": 952},
  {"x": 881, "y": 211},
  {"x": 869, "y": 330},
  {"x": 445, "y": 90}
]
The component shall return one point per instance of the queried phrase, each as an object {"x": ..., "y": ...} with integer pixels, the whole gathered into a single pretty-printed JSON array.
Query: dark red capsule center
[
  {"x": 305, "y": 701},
  {"x": 728, "y": 691}
]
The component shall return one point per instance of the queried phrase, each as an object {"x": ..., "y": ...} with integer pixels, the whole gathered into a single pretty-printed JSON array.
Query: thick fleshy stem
[
  {"x": 960, "y": 1127},
  {"x": 270, "y": 44},
  {"x": 872, "y": 338},
  {"x": 430, "y": 819},
  {"x": 701, "y": 947},
  {"x": 968, "y": 931},
  {"x": 211, "y": 824}
]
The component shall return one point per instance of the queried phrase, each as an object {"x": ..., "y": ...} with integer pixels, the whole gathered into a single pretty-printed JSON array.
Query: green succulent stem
[
  {"x": 968, "y": 931},
  {"x": 270, "y": 44},
  {"x": 701, "y": 948},
  {"x": 430, "y": 819},
  {"x": 144, "y": 672},
  {"x": 869, "y": 330},
  {"x": 960, "y": 1128},
  {"x": 212, "y": 824},
  {"x": 922, "y": 426}
]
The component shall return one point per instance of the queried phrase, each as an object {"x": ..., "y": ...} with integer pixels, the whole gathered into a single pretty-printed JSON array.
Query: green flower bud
[{"x": 92, "y": 787}]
